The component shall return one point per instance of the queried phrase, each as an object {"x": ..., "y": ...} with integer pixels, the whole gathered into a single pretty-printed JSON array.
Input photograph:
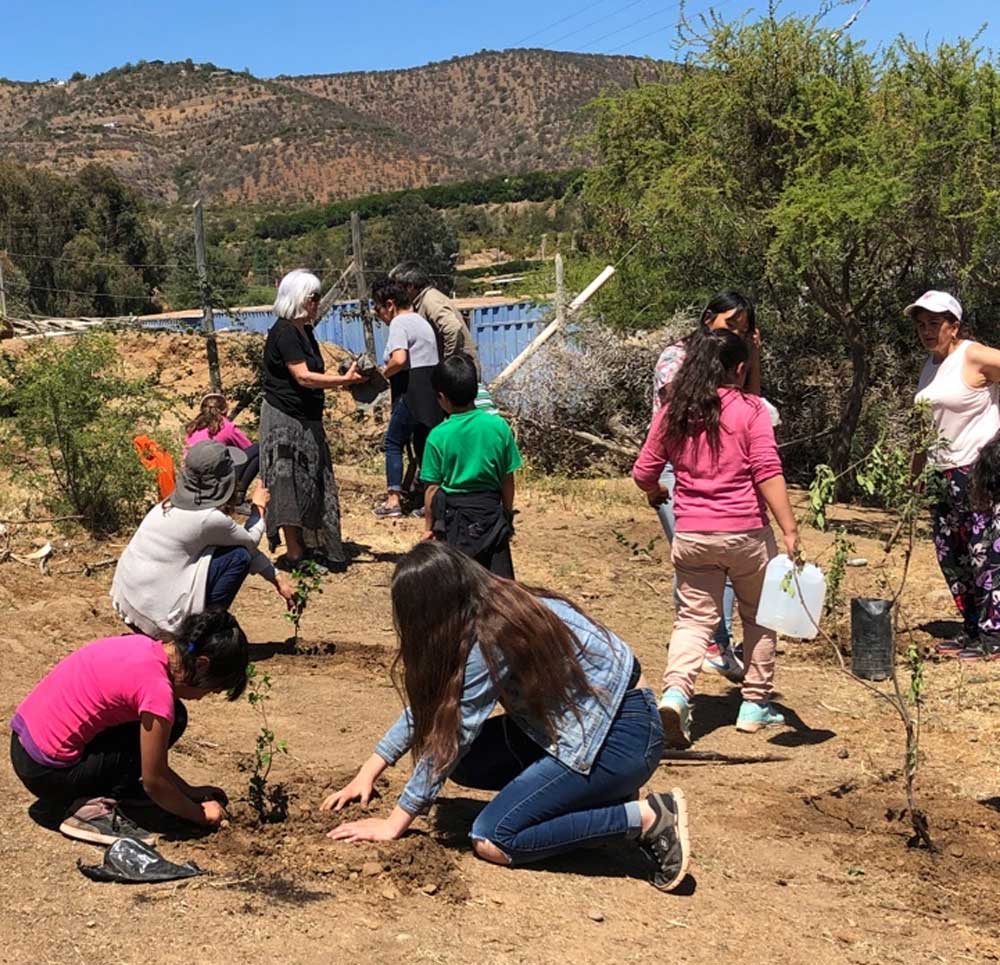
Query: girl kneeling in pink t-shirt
[
  {"x": 97, "y": 728},
  {"x": 721, "y": 444}
]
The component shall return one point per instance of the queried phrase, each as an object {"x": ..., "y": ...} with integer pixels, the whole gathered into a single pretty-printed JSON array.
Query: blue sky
[{"x": 54, "y": 38}]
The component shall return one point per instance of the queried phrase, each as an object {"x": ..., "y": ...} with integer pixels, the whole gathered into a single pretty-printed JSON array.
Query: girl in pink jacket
[
  {"x": 212, "y": 422},
  {"x": 720, "y": 442}
]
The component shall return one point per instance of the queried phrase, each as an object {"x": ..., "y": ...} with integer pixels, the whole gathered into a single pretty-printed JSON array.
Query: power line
[
  {"x": 556, "y": 23},
  {"x": 73, "y": 291},
  {"x": 635, "y": 23},
  {"x": 594, "y": 23},
  {"x": 652, "y": 33},
  {"x": 713, "y": 7}
]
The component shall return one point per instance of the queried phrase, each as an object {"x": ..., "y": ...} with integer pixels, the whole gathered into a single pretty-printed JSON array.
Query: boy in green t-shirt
[{"x": 468, "y": 467}]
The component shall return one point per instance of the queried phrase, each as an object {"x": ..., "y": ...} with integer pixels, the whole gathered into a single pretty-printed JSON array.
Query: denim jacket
[{"x": 580, "y": 729}]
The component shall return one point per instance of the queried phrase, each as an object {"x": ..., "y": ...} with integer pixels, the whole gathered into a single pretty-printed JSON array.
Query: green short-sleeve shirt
[{"x": 470, "y": 452}]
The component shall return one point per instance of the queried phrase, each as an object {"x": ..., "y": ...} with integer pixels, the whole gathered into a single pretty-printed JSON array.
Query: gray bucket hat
[{"x": 208, "y": 477}]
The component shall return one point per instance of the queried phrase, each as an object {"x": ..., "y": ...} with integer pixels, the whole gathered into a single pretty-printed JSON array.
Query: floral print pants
[{"x": 967, "y": 545}]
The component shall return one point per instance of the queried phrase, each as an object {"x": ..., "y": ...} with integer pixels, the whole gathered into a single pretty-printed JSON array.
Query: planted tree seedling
[
  {"x": 308, "y": 580},
  {"x": 269, "y": 801}
]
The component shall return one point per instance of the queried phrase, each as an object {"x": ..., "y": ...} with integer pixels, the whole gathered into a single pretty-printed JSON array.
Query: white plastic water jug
[{"x": 782, "y": 608}]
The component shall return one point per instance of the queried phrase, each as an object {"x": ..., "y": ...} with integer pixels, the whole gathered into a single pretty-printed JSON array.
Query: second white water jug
[{"x": 782, "y": 608}]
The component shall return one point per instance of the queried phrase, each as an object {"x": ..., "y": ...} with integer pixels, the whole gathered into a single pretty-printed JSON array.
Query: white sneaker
[{"x": 723, "y": 660}]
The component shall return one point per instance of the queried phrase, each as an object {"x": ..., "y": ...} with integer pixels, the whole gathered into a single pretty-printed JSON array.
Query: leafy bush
[{"x": 71, "y": 417}]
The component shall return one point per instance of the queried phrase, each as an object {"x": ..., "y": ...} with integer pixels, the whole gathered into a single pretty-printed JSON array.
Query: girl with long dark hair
[
  {"x": 736, "y": 312},
  {"x": 580, "y": 734},
  {"x": 720, "y": 442},
  {"x": 213, "y": 423}
]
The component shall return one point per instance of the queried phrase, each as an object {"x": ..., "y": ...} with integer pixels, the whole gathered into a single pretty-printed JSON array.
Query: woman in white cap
[
  {"x": 959, "y": 383},
  {"x": 188, "y": 555}
]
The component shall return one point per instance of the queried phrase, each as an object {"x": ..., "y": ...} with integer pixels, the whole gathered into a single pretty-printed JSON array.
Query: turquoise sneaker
[
  {"x": 675, "y": 715},
  {"x": 754, "y": 717}
]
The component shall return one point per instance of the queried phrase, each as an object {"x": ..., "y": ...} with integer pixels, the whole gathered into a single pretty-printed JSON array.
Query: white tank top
[{"x": 965, "y": 418}]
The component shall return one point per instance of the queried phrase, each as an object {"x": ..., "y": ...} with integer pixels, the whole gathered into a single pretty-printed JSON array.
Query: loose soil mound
[{"x": 293, "y": 858}]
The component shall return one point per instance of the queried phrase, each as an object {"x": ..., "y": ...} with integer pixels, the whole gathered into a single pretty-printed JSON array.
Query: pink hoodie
[
  {"x": 716, "y": 494},
  {"x": 228, "y": 435}
]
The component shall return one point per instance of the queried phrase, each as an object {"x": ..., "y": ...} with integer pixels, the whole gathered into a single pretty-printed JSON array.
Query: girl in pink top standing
[
  {"x": 720, "y": 442},
  {"x": 212, "y": 422}
]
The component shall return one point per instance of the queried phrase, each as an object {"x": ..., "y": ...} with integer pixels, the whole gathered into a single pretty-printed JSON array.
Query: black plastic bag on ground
[
  {"x": 872, "y": 644},
  {"x": 131, "y": 862}
]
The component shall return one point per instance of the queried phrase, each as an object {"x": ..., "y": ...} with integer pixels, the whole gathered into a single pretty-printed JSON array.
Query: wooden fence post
[
  {"x": 362, "y": 284},
  {"x": 207, "y": 318},
  {"x": 539, "y": 340}
]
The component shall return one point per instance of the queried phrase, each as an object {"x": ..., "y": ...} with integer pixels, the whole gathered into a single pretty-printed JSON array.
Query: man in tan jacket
[{"x": 452, "y": 333}]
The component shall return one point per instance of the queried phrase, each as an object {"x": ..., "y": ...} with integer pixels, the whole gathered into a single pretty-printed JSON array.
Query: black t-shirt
[{"x": 285, "y": 343}]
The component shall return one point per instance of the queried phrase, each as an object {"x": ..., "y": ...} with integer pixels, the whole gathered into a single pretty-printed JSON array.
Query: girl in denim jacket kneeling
[{"x": 580, "y": 736}]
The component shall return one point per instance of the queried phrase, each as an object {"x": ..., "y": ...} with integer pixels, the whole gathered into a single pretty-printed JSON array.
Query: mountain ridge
[{"x": 177, "y": 130}]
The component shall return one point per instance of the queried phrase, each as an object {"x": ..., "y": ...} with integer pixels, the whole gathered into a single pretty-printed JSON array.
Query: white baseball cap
[{"x": 937, "y": 303}]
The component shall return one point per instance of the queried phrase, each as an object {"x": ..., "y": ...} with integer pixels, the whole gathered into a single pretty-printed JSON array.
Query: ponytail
[
  {"x": 213, "y": 411},
  {"x": 693, "y": 395},
  {"x": 214, "y": 634}
]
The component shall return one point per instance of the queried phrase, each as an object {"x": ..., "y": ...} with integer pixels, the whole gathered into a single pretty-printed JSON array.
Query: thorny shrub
[{"x": 593, "y": 380}]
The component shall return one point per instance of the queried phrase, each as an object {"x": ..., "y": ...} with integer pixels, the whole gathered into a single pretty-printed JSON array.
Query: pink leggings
[{"x": 702, "y": 561}]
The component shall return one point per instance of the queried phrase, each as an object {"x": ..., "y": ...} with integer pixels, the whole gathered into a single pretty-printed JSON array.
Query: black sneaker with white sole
[
  {"x": 99, "y": 821},
  {"x": 666, "y": 842}
]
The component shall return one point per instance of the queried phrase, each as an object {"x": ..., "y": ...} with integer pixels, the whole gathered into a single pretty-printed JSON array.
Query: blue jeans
[
  {"x": 401, "y": 429},
  {"x": 543, "y": 808},
  {"x": 724, "y": 631},
  {"x": 227, "y": 571}
]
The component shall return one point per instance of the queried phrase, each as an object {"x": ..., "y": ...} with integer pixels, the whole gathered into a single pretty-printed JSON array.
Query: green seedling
[
  {"x": 636, "y": 549},
  {"x": 269, "y": 801},
  {"x": 906, "y": 487},
  {"x": 308, "y": 580}
]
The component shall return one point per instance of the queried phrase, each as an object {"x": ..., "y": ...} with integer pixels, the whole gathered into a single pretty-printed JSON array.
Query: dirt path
[{"x": 799, "y": 859}]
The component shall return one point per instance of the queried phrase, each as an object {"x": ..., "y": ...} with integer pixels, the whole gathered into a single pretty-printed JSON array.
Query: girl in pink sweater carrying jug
[
  {"x": 213, "y": 422},
  {"x": 720, "y": 442}
]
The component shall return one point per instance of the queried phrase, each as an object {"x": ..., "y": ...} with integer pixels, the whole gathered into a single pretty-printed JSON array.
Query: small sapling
[
  {"x": 308, "y": 580},
  {"x": 270, "y": 801}
]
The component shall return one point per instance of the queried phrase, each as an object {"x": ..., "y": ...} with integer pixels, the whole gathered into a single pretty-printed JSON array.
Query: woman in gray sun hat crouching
[{"x": 188, "y": 554}]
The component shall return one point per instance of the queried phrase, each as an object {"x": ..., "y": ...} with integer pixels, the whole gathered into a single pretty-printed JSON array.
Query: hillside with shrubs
[{"x": 173, "y": 129}]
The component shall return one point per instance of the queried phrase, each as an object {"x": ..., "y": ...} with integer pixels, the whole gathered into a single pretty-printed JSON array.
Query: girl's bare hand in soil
[
  {"x": 360, "y": 789},
  {"x": 208, "y": 792},
  {"x": 214, "y": 813},
  {"x": 368, "y": 829}
]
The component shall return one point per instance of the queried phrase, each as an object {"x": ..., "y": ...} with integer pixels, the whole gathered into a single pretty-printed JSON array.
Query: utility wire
[
  {"x": 594, "y": 23},
  {"x": 635, "y": 23},
  {"x": 652, "y": 33},
  {"x": 555, "y": 23}
]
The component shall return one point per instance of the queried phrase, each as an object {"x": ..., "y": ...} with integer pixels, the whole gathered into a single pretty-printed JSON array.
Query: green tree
[
  {"x": 73, "y": 414},
  {"x": 413, "y": 231},
  {"x": 832, "y": 182}
]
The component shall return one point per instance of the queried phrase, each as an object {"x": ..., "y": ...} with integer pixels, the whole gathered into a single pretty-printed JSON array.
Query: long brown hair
[
  {"x": 443, "y": 603},
  {"x": 213, "y": 411},
  {"x": 693, "y": 396}
]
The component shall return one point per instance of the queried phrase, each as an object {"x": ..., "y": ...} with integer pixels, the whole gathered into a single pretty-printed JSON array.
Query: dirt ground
[{"x": 799, "y": 855}]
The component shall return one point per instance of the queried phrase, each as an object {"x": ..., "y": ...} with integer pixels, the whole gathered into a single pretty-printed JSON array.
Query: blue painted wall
[{"x": 500, "y": 331}]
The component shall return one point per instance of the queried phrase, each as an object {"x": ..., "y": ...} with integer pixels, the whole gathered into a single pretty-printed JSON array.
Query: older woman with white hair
[{"x": 294, "y": 456}]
